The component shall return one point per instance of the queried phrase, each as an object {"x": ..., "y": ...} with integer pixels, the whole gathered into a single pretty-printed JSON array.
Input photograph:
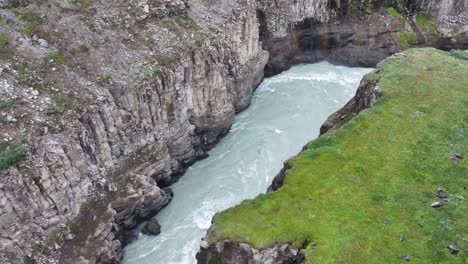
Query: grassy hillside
[{"x": 363, "y": 194}]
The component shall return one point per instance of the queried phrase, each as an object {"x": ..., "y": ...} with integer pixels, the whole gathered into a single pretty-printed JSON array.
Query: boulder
[
  {"x": 441, "y": 193},
  {"x": 152, "y": 228}
]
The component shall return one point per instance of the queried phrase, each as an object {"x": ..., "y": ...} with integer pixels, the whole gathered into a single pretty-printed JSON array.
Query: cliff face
[
  {"x": 357, "y": 33},
  {"x": 126, "y": 90},
  {"x": 113, "y": 100}
]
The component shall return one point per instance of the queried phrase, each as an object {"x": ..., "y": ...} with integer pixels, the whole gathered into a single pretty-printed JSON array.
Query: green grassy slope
[{"x": 352, "y": 195}]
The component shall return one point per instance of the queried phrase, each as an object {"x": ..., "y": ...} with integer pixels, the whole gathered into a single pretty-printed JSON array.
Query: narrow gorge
[
  {"x": 287, "y": 111},
  {"x": 104, "y": 105}
]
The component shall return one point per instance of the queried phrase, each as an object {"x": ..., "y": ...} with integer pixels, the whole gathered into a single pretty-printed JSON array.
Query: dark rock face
[
  {"x": 279, "y": 178},
  {"x": 366, "y": 96},
  {"x": 347, "y": 35},
  {"x": 152, "y": 227},
  {"x": 230, "y": 252},
  {"x": 356, "y": 43}
]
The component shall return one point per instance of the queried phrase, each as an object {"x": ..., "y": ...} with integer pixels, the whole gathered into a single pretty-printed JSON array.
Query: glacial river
[{"x": 286, "y": 112}]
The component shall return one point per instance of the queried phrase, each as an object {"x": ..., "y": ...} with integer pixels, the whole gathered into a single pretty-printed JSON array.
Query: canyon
[
  {"x": 109, "y": 103},
  {"x": 364, "y": 191}
]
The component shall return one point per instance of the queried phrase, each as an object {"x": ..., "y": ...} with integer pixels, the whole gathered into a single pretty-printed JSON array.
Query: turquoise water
[{"x": 286, "y": 112}]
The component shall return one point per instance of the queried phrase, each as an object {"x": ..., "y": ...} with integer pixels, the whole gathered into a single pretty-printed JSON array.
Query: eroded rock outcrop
[
  {"x": 230, "y": 252},
  {"x": 125, "y": 98},
  {"x": 356, "y": 33}
]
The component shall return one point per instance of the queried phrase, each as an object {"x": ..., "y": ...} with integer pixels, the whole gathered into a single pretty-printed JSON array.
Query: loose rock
[
  {"x": 441, "y": 193},
  {"x": 453, "y": 249},
  {"x": 456, "y": 158},
  {"x": 437, "y": 204},
  {"x": 152, "y": 228}
]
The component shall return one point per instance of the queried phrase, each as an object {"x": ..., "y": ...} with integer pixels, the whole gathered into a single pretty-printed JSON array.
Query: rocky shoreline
[
  {"x": 230, "y": 252},
  {"x": 103, "y": 131},
  {"x": 232, "y": 230}
]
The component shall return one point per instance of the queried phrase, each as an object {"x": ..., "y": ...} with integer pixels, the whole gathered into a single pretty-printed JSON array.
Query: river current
[{"x": 287, "y": 111}]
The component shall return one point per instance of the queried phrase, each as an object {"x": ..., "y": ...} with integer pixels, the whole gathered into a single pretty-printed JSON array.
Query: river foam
[{"x": 286, "y": 112}]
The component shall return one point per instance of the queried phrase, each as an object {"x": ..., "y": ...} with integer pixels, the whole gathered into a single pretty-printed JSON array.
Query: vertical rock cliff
[{"x": 111, "y": 101}]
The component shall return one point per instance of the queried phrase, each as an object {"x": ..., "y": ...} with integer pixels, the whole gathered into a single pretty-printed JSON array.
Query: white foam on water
[
  {"x": 279, "y": 131},
  {"x": 286, "y": 112}
]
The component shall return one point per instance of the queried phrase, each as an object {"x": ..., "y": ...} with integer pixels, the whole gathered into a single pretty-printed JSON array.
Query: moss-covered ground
[{"x": 362, "y": 194}]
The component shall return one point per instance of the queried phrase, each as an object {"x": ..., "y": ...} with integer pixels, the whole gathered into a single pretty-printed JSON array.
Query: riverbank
[
  {"x": 366, "y": 193},
  {"x": 287, "y": 111}
]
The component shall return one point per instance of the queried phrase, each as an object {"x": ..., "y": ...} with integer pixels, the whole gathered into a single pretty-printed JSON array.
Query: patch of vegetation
[
  {"x": 11, "y": 154},
  {"x": 82, "y": 4},
  {"x": 368, "y": 8},
  {"x": 157, "y": 72},
  {"x": 33, "y": 23},
  {"x": 394, "y": 12},
  {"x": 55, "y": 56},
  {"x": 168, "y": 60},
  {"x": 459, "y": 54},
  {"x": 7, "y": 104},
  {"x": 170, "y": 25},
  {"x": 428, "y": 24},
  {"x": 51, "y": 110},
  {"x": 353, "y": 193},
  {"x": 422, "y": 20},
  {"x": 407, "y": 39},
  {"x": 32, "y": 77},
  {"x": 188, "y": 23},
  {"x": 6, "y": 52}
]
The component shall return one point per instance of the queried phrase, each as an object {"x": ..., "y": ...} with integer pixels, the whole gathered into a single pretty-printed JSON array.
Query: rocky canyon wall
[
  {"x": 111, "y": 101},
  {"x": 357, "y": 33}
]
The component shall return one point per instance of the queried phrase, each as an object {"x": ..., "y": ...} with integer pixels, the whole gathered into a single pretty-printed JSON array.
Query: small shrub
[
  {"x": 33, "y": 23},
  {"x": 11, "y": 154},
  {"x": 368, "y": 8},
  {"x": 82, "y": 4},
  {"x": 169, "y": 24},
  {"x": 407, "y": 39},
  {"x": 422, "y": 21},
  {"x": 55, "y": 56},
  {"x": 157, "y": 72},
  {"x": 6, "y": 52},
  {"x": 7, "y": 104},
  {"x": 167, "y": 60},
  {"x": 428, "y": 24},
  {"x": 47, "y": 84},
  {"x": 59, "y": 99},
  {"x": 50, "y": 110},
  {"x": 393, "y": 11},
  {"x": 187, "y": 22}
]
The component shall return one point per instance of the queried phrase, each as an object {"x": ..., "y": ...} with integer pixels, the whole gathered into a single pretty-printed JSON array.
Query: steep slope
[
  {"x": 94, "y": 90},
  {"x": 386, "y": 187}
]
